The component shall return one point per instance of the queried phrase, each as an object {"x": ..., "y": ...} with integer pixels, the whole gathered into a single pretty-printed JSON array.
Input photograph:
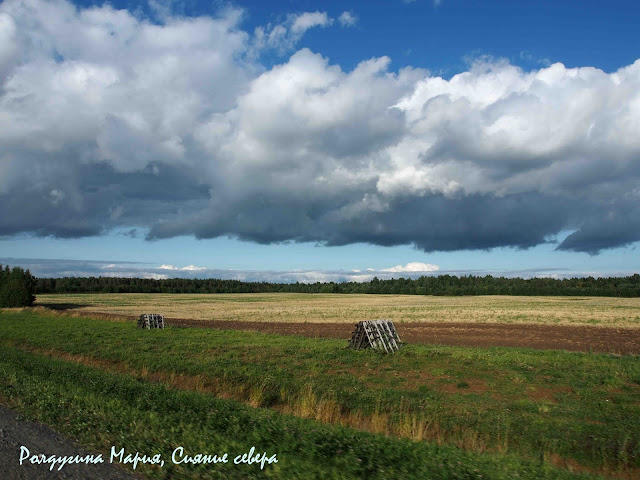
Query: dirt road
[{"x": 38, "y": 438}]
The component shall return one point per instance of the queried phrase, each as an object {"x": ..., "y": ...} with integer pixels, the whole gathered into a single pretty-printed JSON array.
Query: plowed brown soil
[
  {"x": 622, "y": 341},
  {"x": 581, "y": 338}
]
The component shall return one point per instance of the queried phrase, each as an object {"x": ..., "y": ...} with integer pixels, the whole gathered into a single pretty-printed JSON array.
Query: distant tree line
[
  {"x": 440, "y": 285},
  {"x": 17, "y": 287}
]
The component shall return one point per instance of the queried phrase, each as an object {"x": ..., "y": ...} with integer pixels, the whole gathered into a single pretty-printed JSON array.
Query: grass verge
[{"x": 102, "y": 410}]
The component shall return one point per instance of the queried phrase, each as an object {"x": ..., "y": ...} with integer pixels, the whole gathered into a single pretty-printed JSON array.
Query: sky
[{"x": 320, "y": 141}]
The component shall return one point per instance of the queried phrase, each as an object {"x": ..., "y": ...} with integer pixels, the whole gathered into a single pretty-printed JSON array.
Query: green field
[{"x": 497, "y": 411}]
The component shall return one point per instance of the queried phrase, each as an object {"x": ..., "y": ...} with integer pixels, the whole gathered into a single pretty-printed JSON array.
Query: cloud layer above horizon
[
  {"x": 59, "y": 268},
  {"x": 173, "y": 125}
]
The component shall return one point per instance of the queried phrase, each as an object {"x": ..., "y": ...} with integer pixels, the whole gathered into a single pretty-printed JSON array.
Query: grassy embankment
[
  {"x": 102, "y": 410},
  {"x": 570, "y": 409},
  {"x": 294, "y": 307}
]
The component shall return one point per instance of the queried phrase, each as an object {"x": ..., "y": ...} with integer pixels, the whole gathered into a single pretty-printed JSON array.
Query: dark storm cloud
[
  {"x": 98, "y": 198},
  {"x": 431, "y": 223},
  {"x": 110, "y": 121},
  {"x": 614, "y": 225},
  {"x": 470, "y": 222},
  {"x": 36, "y": 212}
]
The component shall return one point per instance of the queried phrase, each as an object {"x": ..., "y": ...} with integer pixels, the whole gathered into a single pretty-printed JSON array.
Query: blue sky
[
  {"x": 440, "y": 36},
  {"x": 334, "y": 140}
]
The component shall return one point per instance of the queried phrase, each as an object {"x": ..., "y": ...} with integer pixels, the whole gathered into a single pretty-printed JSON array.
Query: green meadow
[{"x": 425, "y": 412}]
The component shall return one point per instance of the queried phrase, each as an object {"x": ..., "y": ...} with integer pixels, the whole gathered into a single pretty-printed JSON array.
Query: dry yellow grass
[{"x": 332, "y": 308}]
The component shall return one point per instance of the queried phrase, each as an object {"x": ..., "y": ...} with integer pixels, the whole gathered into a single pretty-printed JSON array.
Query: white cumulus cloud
[
  {"x": 285, "y": 35},
  {"x": 413, "y": 267},
  {"x": 347, "y": 19},
  {"x": 188, "y": 268},
  {"x": 307, "y": 20},
  {"x": 113, "y": 120}
]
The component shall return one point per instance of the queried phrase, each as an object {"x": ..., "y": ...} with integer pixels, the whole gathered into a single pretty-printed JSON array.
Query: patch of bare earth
[
  {"x": 577, "y": 338},
  {"x": 621, "y": 341}
]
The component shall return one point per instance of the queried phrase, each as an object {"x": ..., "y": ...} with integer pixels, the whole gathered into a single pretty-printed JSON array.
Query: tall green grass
[
  {"x": 561, "y": 407},
  {"x": 103, "y": 409}
]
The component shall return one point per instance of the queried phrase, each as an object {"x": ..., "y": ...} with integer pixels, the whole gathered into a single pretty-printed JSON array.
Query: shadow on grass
[{"x": 62, "y": 306}]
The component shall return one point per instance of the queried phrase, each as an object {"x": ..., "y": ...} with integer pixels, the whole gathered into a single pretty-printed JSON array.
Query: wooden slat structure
[
  {"x": 377, "y": 334},
  {"x": 151, "y": 320}
]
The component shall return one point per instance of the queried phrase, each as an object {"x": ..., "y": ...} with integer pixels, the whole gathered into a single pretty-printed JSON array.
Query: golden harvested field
[{"x": 335, "y": 308}]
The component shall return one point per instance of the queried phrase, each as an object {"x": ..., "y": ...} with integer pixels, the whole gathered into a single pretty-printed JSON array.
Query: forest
[
  {"x": 17, "y": 287},
  {"x": 425, "y": 285}
]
